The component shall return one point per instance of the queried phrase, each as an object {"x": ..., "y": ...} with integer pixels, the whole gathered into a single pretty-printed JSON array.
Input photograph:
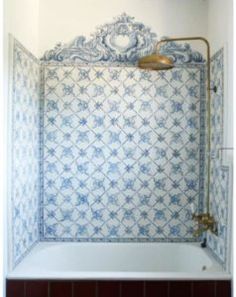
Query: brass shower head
[{"x": 155, "y": 62}]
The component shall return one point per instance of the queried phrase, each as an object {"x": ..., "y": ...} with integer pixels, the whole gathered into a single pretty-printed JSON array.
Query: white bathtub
[{"x": 118, "y": 261}]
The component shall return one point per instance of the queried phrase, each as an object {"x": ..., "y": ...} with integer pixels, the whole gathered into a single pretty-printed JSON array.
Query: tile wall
[
  {"x": 123, "y": 153},
  {"x": 219, "y": 187},
  {"x": 25, "y": 171}
]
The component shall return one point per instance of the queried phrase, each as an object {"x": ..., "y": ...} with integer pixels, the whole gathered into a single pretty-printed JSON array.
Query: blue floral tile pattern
[
  {"x": 25, "y": 151},
  {"x": 122, "y": 152},
  {"x": 219, "y": 186}
]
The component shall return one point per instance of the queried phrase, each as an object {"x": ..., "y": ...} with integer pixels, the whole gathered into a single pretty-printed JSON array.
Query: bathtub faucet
[{"x": 205, "y": 222}]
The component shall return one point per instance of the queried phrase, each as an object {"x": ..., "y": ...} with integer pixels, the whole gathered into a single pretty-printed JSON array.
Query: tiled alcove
[{"x": 154, "y": 122}]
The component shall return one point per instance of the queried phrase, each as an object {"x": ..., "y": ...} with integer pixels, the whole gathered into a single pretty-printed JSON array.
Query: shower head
[{"x": 155, "y": 62}]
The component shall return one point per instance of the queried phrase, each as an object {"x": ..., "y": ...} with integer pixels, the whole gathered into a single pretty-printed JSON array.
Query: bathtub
[{"x": 150, "y": 261}]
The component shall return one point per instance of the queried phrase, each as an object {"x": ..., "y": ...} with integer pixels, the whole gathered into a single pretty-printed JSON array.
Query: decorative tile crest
[
  {"x": 181, "y": 53},
  {"x": 123, "y": 41}
]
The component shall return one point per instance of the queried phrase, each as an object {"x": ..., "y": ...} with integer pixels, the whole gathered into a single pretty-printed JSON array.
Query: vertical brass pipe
[{"x": 208, "y": 107}]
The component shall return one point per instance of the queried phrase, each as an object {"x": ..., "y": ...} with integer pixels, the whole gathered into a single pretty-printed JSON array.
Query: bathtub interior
[
  {"x": 119, "y": 261},
  {"x": 134, "y": 192}
]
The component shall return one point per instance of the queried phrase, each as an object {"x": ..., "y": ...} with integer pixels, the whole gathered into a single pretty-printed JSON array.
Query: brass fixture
[
  {"x": 205, "y": 222},
  {"x": 155, "y": 62},
  {"x": 160, "y": 62}
]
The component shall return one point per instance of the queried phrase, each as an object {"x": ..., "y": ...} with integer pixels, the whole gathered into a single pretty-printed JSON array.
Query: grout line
[
  {"x": 168, "y": 289},
  {"x": 49, "y": 289},
  {"x": 192, "y": 289},
  {"x": 215, "y": 288},
  {"x": 120, "y": 295},
  {"x": 72, "y": 288},
  {"x": 144, "y": 289},
  {"x": 96, "y": 290},
  {"x": 24, "y": 288}
]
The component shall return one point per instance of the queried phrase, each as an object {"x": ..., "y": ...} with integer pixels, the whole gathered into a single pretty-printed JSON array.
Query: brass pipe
[{"x": 208, "y": 105}]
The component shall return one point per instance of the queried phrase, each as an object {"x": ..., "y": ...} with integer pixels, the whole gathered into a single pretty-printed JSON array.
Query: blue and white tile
[
  {"x": 25, "y": 179},
  {"x": 219, "y": 187},
  {"x": 117, "y": 153}
]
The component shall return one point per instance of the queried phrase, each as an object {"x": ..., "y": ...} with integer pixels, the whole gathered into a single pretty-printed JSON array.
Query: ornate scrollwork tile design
[{"x": 123, "y": 41}]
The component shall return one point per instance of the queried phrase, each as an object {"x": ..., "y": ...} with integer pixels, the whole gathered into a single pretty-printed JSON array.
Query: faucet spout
[
  {"x": 199, "y": 231},
  {"x": 205, "y": 222}
]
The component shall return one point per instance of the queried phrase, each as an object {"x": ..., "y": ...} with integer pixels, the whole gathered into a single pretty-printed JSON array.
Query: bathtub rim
[{"x": 122, "y": 276}]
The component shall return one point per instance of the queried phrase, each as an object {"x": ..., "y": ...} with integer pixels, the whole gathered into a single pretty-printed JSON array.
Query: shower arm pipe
[{"x": 159, "y": 43}]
